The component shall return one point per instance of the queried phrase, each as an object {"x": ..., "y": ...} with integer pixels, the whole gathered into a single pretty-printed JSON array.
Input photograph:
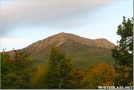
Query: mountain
[{"x": 82, "y": 51}]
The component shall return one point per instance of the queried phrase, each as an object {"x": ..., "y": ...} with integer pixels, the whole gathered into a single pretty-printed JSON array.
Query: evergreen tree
[
  {"x": 58, "y": 70},
  {"x": 123, "y": 54},
  {"x": 16, "y": 70}
]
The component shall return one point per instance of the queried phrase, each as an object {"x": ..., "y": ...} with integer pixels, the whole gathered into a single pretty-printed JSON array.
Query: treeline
[{"x": 18, "y": 71}]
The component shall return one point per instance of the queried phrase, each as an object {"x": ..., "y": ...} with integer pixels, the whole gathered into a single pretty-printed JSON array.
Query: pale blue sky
[{"x": 26, "y": 21}]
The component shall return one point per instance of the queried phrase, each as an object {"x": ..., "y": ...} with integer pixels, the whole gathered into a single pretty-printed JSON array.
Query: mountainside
[
  {"x": 82, "y": 51},
  {"x": 62, "y": 37}
]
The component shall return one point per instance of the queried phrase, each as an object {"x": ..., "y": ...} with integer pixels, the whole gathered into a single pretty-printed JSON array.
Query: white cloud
[{"x": 13, "y": 41}]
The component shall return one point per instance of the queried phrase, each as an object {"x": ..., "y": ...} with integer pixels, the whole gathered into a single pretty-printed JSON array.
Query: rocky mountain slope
[
  {"x": 60, "y": 38},
  {"x": 82, "y": 51}
]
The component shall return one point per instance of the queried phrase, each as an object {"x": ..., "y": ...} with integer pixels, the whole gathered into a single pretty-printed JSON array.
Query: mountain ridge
[
  {"x": 61, "y": 37},
  {"x": 82, "y": 51}
]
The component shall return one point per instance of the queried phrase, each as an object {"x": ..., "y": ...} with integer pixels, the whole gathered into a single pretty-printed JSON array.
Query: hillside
[{"x": 82, "y": 51}]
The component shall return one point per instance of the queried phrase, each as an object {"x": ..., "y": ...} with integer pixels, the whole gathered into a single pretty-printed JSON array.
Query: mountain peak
[
  {"x": 76, "y": 47},
  {"x": 83, "y": 51},
  {"x": 60, "y": 38},
  {"x": 62, "y": 33}
]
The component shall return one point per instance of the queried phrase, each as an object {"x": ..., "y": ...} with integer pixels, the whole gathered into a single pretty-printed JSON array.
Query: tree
[
  {"x": 123, "y": 54},
  {"x": 16, "y": 70},
  {"x": 76, "y": 78},
  {"x": 58, "y": 70},
  {"x": 38, "y": 77},
  {"x": 98, "y": 75}
]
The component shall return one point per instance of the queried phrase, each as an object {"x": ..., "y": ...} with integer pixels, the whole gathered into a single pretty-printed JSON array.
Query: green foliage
[
  {"x": 58, "y": 69},
  {"x": 16, "y": 70},
  {"x": 123, "y": 54}
]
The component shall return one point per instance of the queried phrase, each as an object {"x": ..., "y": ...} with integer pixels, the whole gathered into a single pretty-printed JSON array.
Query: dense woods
[{"x": 18, "y": 71}]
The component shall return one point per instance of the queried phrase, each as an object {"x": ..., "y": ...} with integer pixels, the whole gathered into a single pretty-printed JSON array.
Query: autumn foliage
[
  {"x": 99, "y": 75},
  {"x": 17, "y": 71}
]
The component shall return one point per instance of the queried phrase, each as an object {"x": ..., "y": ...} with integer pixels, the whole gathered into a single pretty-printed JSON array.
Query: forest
[{"x": 18, "y": 71}]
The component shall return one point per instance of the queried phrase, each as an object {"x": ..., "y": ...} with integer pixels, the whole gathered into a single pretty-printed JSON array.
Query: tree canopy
[
  {"x": 123, "y": 53},
  {"x": 58, "y": 69},
  {"x": 16, "y": 70}
]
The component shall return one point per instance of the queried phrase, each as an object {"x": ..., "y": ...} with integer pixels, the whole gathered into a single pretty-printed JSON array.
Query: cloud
[
  {"x": 13, "y": 41},
  {"x": 49, "y": 13}
]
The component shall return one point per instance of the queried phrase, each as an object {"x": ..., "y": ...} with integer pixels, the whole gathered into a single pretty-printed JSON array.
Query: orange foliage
[{"x": 99, "y": 75}]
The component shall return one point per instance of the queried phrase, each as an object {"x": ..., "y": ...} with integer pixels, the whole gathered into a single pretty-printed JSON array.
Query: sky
[{"x": 24, "y": 22}]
